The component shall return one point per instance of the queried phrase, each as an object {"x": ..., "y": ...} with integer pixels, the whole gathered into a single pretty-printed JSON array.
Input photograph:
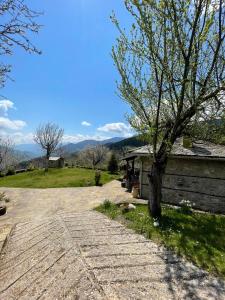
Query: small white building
[{"x": 56, "y": 162}]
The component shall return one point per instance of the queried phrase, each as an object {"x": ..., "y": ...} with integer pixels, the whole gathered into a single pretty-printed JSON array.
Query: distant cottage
[
  {"x": 56, "y": 162},
  {"x": 195, "y": 172}
]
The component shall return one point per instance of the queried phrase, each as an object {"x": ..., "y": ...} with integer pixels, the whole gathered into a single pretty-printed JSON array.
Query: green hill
[{"x": 132, "y": 142}]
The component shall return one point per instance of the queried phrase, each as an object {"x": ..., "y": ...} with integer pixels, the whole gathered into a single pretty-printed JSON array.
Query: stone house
[
  {"x": 56, "y": 162},
  {"x": 195, "y": 173}
]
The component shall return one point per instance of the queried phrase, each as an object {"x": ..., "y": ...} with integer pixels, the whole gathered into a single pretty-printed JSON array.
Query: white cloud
[
  {"x": 18, "y": 137},
  {"x": 5, "y": 105},
  {"x": 6, "y": 123},
  {"x": 120, "y": 128},
  {"x": 85, "y": 123}
]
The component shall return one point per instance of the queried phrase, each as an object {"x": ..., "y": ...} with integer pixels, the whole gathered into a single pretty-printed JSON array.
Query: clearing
[{"x": 55, "y": 178}]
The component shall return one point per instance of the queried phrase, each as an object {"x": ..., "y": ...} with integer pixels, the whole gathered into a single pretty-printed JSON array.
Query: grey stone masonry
[{"x": 201, "y": 181}]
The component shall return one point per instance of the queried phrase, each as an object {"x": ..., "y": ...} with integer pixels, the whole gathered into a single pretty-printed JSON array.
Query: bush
[
  {"x": 31, "y": 167},
  {"x": 97, "y": 177},
  {"x": 113, "y": 165},
  {"x": 106, "y": 204},
  {"x": 10, "y": 172}
]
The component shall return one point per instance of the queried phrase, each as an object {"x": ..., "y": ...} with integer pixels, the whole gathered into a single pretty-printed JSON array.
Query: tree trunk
[
  {"x": 155, "y": 180},
  {"x": 47, "y": 161}
]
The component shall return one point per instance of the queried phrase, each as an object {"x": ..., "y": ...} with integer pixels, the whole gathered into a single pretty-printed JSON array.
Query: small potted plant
[
  {"x": 3, "y": 207},
  {"x": 135, "y": 190}
]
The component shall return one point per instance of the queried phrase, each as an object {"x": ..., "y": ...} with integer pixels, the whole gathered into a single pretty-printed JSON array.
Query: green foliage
[
  {"x": 10, "y": 172},
  {"x": 110, "y": 209},
  {"x": 198, "y": 236},
  {"x": 132, "y": 142},
  {"x": 56, "y": 178},
  {"x": 172, "y": 71},
  {"x": 107, "y": 204},
  {"x": 211, "y": 131},
  {"x": 113, "y": 164},
  {"x": 31, "y": 167}
]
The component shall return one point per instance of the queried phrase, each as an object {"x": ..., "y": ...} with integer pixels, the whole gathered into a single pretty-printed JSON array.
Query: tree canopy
[{"x": 172, "y": 69}]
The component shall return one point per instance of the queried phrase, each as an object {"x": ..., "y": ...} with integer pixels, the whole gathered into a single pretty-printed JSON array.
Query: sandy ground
[{"x": 33, "y": 204}]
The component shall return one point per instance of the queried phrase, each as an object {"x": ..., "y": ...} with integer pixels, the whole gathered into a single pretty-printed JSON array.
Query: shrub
[
  {"x": 97, "y": 177},
  {"x": 31, "y": 167},
  {"x": 113, "y": 165},
  {"x": 107, "y": 204},
  {"x": 10, "y": 172}
]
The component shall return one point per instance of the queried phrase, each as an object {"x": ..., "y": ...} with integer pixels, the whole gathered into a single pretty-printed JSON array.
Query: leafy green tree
[
  {"x": 172, "y": 69},
  {"x": 210, "y": 130},
  {"x": 113, "y": 164}
]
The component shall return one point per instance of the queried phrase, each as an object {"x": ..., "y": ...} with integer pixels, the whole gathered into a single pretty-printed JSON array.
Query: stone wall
[{"x": 200, "y": 181}]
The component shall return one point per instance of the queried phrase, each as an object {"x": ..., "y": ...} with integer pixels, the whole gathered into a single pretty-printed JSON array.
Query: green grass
[
  {"x": 55, "y": 178},
  {"x": 200, "y": 237}
]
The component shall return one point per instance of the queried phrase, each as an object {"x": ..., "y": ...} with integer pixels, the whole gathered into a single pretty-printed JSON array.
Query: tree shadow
[
  {"x": 185, "y": 281},
  {"x": 198, "y": 239}
]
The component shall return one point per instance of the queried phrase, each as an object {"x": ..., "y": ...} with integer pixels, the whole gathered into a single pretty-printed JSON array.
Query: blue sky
[{"x": 73, "y": 80}]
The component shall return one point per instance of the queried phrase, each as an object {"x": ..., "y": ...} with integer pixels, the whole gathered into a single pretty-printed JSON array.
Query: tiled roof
[
  {"x": 54, "y": 158},
  {"x": 199, "y": 149}
]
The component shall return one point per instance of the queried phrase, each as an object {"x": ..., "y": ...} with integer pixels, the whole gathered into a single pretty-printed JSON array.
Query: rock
[
  {"x": 156, "y": 224},
  {"x": 127, "y": 207},
  {"x": 131, "y": 206}
]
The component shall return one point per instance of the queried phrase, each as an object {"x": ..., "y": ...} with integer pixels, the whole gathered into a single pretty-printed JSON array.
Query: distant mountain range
[
  {"x": 71, "y": 147},
  {"x": 26, "y": 152},
  {"x": 30, "y": 151}
]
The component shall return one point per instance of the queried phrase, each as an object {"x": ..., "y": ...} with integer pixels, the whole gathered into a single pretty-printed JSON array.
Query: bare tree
[
  {"x": 6, "y": 154},
  {"x": 18, "y": 21},
  {"x": 48, "y": 136},
  {"x": 172, "y": 68},
  {"x": 94, "y": 155}
]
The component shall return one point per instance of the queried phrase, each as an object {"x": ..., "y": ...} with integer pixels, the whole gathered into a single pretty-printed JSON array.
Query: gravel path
[
  {"x": 33, "y": 204},
  {"x": 87, "y": 256}
]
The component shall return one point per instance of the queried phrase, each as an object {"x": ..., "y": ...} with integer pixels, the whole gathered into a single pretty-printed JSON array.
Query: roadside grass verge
[
  {"x": 55, "y": 178},
  {"x": 199, "y": 237}
]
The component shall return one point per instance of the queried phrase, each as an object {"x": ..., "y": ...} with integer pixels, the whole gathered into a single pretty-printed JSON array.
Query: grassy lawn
[
  {"x": 55, "y": 178},
  {"x": 199, "y": 237}
]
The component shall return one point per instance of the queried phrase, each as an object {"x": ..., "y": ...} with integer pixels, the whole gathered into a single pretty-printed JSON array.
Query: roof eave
[{"x": 202, "y": 157}]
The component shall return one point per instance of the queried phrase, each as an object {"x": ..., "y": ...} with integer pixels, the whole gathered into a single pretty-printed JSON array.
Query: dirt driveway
[{"x": 33, "y": 204}]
